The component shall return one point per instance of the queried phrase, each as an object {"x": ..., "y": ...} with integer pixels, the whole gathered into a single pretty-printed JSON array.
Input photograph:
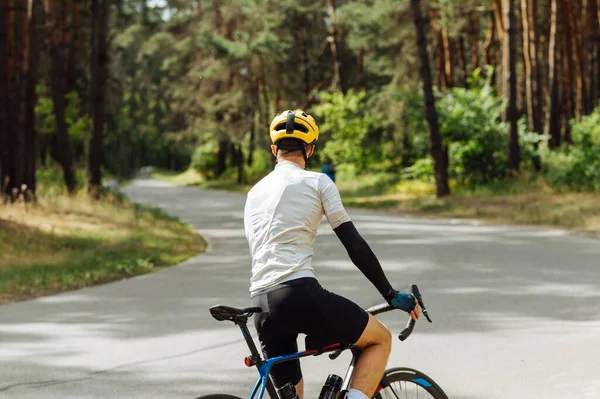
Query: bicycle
[{"x": 393, "y": 385}]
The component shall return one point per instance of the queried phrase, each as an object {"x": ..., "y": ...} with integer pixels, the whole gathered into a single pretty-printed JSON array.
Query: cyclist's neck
[{"x": 298, "y": 160}]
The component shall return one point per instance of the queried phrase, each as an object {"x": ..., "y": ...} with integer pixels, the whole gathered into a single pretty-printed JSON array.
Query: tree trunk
[
  {"x": 475, "y": 27},
  {"x": 462, "y": 62},
  {"x": 18, "y": 94},
  {"x": 448, "y": 69},
  {"x": 31, "y": 73},
  {"x": 567, "y": 56},
  {"x": 5, "y": 131},
  {"x": 251, "y": 145},
  {"x": 132, "y": 99},
  {"x": 265, "y": 89},
  {"x": 597, "y": 70},
  {"x": 336, "y": 81},
  {"x": 530, "y": 60},
  {"x": 56, "y": 20},
  {"x": 592, "y": 48},
  {"x": 240, "y": 164},
  {"x": 575, "y": 44},
  {"x": 362, "y": 81},
  {"x": 489, "y": 49},
  {"x": 156, "y": 109},
  {"x": 71, "y": 73},
  {"x": 552, "y": 127},
  {"x": 278, "y": 82},
  {"x": 301, "y": 39},
  {"x": 144, "y": 12},
  {"x": 438, "y": 152},
  {"x": 440, "y": 62},
  {"x": 221, "y": 158},
  {"x": 99, "y": 64},
  {"x": 509, "y": 84},
  {"x": 499, "y": 20}
]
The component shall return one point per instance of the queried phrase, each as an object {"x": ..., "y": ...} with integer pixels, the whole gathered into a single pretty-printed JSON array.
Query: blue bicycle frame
[{"x": 264, "y": 366}]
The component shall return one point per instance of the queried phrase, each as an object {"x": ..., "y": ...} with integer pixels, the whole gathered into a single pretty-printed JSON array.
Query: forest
[{"x": 443, "y": 91}]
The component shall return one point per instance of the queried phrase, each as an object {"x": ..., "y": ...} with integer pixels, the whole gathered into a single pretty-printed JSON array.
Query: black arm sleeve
[{"x": 363, "y": 257}]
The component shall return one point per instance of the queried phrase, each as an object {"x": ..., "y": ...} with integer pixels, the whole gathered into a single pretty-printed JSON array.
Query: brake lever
[{"x": 417, "y": 294}]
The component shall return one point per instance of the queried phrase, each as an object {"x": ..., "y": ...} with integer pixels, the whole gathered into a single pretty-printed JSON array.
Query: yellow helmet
[{"x": 294, "y": 124}]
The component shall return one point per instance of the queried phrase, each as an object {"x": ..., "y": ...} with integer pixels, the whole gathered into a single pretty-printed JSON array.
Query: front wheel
[
  {"x": 403, "y": 382},
  {"x": 218, "y": 396}
]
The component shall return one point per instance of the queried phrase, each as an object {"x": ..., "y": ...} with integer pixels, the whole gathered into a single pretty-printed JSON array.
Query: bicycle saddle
[{"x": 223, "y": 313}]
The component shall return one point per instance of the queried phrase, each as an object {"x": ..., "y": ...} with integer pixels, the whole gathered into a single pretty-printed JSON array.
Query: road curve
[{"x": 516, "y": 312}]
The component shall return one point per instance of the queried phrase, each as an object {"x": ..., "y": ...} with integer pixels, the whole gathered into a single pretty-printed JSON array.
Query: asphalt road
[{"x": 516, "y": 312}]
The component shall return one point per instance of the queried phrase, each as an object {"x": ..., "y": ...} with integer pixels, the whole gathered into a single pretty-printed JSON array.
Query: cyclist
[{"x": 281, "y": 217}]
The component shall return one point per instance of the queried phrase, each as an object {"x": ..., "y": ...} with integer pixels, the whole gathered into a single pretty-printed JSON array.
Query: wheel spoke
[
  {"x": 415, "y": 386},
  {"x": 397, "y": 387}
]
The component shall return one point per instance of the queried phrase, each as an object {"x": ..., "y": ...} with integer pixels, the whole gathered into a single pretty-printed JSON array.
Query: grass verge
[
  {"x": 67, "y": 242},
  {"x": 520, "y": 202},
  {"x": 192, "y": 178}
]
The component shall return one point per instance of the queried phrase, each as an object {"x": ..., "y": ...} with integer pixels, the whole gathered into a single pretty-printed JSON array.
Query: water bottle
[
  {"x": 332, "y": 387},
  {"x": 288, "y": 391}
]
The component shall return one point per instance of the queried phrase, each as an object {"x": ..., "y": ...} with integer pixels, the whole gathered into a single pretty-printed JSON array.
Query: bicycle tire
[
  {"x": 218, "y": 396},
  {"x": 414, "y": 381}
]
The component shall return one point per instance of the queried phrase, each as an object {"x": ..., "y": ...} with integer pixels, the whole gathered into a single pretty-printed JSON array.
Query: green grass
[
  {"x": 66, "y": 242},
  {"x": 525, "y": 201}
]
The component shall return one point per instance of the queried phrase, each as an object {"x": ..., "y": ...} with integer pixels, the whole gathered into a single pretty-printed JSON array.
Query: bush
[
  {"x": 475, "y": 136},
  {"x": 204, "y": 159},
  {"x": 261, "y": 165},
  {"x": 351, "y": 131},
  {"x": 577, "y": 167},
  {"x": 422, "y": 169}
]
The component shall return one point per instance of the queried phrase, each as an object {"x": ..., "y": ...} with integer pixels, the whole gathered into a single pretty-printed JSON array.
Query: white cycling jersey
[{"x": 281, "y": 217}]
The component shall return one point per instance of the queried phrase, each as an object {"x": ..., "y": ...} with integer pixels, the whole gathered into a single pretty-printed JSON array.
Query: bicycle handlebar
[{"x": 385, "y": 307}]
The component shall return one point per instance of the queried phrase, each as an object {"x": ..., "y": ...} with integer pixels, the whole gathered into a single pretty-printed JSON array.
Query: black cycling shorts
[{"x": 303, "y": 306}]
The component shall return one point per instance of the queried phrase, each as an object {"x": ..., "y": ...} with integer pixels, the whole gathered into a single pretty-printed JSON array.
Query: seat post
[{"x": 249, "y": 340}]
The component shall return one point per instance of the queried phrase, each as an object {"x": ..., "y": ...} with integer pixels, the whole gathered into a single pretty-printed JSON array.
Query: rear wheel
[
  {"x": 218, "y": 396},
  {"x": 406, "y": 383}
]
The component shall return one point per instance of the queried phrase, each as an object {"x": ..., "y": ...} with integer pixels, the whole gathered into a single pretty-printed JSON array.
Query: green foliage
[
  {"x": 44, "y": 112},
  {"x": 476, "y": 139},
  {"x": 78, "y": 123},
  {"x": 128, "y": 146},
  {"x": 577, "y": 166},
  {"x": 204, "y": 159},
  {"x": 422, "y": 169},
  {"x": 475, "y": 136},
  {"x": 261, "y": 165},
  {"x": 352, "y": 131}
]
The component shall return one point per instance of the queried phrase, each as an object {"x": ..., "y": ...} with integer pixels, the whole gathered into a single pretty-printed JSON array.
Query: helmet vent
[{"x": 282, "y": 125}]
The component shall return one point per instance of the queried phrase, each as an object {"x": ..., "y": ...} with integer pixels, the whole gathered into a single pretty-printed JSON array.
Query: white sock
[{"x": 356, "y": 394}]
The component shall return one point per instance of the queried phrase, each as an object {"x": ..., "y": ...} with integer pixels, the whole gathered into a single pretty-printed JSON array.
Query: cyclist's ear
[
  {"x": 274, "y": 150},
  {"x": 310, "y": 150}
]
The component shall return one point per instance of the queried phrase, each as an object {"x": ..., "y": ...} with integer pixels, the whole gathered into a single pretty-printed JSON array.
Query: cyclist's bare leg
[
  {"x": 376, "y": 342},
  {"x": 300, "y": 388}
]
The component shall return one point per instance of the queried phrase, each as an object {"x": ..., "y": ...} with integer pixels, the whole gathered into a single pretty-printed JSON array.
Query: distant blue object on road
[{"x": 329, "y": 169}]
